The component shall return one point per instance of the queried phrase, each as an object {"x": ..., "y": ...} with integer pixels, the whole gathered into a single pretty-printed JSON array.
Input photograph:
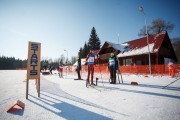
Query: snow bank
[{"x": 69, "y": 99}]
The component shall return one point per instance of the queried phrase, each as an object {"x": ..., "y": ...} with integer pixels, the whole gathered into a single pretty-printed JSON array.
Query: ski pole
[
  {"x": 100, "y": 72},
  {"x": 119, "y": 71},
  {"x": 170, "y": 83}
]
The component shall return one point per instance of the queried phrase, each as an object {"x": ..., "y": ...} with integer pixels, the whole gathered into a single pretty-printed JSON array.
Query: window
[{"x": 127, "y": 61}]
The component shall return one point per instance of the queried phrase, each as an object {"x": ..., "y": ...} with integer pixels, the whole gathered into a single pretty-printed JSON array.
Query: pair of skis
[
  {"x": 92, "y": 86},
  {"x": 78, "y": 79}
]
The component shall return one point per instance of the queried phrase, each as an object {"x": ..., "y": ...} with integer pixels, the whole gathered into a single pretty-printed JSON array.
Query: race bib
[
  {"x": 91, "y": 59},
  {"x": 111, "y": 62}
]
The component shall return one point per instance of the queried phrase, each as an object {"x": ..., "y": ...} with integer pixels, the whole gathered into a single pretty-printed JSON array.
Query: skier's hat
[{"x": 112, "y": 54}]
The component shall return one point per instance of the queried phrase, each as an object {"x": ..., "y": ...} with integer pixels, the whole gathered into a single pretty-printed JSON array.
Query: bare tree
[
  {"x": 157, "y": 26},
  {"x": 143, "y": 31},
  {"x": 73, "y": 59},
  {"x": 61, "y": 59}
]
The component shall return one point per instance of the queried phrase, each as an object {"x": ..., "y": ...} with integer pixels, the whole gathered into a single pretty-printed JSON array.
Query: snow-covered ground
[{"x": 70, "y": 99}]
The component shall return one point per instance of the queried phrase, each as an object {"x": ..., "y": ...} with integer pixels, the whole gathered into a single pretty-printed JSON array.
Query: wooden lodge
[{"x": 136, "y": 51}]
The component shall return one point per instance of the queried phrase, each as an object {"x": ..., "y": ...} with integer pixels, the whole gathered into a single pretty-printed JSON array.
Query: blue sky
[{"x": 66, "y": 24}]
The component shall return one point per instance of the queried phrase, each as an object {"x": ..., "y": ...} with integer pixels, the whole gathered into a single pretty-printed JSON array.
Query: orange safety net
[{"x": 136, "y": 69}]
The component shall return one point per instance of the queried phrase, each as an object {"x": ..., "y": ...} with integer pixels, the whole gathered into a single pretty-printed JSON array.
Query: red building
[{"x": 136, "y": 51}]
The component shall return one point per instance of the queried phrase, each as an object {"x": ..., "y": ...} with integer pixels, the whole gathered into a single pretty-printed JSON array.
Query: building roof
[
  {"x": 109, "y": 47},
  {"x": 139, "y": 46},
  {"x": 116, "y": 46}
]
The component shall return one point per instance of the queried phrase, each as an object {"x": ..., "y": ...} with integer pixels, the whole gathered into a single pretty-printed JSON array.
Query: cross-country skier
[
  {"x": 113, "y": 66},
  {"x": 90, "y": 59}
]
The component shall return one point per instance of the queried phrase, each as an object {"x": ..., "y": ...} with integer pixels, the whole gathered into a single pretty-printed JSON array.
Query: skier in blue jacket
[{"x": 113, "y": 66}]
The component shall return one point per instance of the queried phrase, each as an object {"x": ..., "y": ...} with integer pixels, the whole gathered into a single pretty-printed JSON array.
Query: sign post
[{"x": 33, "y": 65}]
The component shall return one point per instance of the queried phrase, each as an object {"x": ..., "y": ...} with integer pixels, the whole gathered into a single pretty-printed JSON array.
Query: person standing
[
  {"x": 50, "y": 69},
  {"x": 113, "y": 66},
  {"x": 45, "y": 64},
  {"x": 61, "y": 70},
  {"x": 171, "y": 69},
  {"x": 78, "y": 69},
  {"x": 90, "y": 59}
]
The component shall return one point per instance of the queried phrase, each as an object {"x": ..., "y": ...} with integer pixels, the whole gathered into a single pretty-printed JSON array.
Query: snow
[
  {"x": 138, "y": 51},
  {"x": 116, "y": 46},
  {"x": 66, "y": 98},
  {"x": 125, "y": 44}
]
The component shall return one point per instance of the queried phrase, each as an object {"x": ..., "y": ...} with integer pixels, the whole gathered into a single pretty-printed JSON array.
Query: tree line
[{"x": 10, "y": 63}]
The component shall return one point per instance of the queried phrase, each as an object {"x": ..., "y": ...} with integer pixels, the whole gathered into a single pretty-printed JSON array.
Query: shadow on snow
[{"x": 68, "y": 111}]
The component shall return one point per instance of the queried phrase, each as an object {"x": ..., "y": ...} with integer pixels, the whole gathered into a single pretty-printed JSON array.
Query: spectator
[
  {"x": 45, "y": 64},
  {"x": 50, "y": 69},
  {"x": 171, "y": 69},
  {"x": 78, "y": 69}
]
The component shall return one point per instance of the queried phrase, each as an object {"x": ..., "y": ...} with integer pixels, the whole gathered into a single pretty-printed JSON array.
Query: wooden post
[
  {"x": 27, "y": 88},
  {"x": 38, "y": 87}
]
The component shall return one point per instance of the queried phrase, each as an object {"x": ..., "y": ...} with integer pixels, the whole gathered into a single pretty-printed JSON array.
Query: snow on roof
[
  {"x": 138, "y": 51},
  {"x": 124, "y": 44},
  {"x": 116, "y": 46}
]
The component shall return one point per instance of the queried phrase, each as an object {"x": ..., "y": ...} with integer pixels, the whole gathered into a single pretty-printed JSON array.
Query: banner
[{"x": 33, "y": 62}]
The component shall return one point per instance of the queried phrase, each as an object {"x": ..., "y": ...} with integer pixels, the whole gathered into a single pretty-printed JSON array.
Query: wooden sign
[{"x": 33, "y": 63}]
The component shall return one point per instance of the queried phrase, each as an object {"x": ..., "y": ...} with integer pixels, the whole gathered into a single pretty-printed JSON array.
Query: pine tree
[
  {"x": 10, "y": 63},
  {"x": 80, "y": 53},
  {"x": 85, "y": 50},
  {"x": 94, "y": 42}
]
